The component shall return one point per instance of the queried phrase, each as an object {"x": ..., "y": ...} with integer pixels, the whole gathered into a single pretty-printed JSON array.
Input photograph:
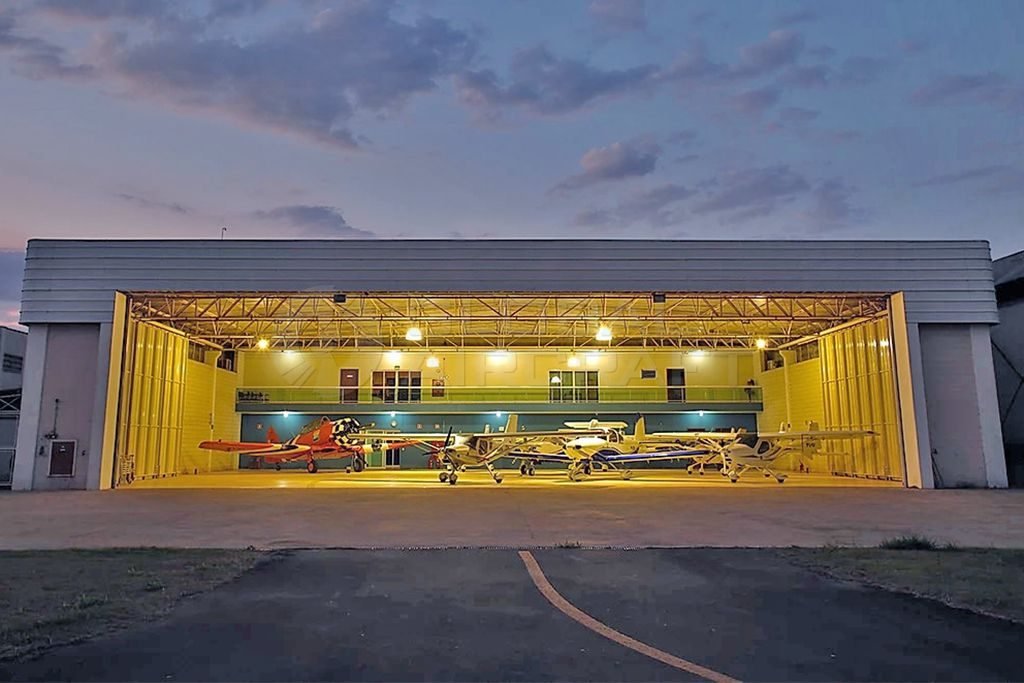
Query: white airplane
[
  {"x": 759, "y": 451},
  {"x": 604, "y": 445}
]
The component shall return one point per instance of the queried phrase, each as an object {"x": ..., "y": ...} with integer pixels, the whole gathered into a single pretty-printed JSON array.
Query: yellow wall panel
[{"x": 209, "y": 414}]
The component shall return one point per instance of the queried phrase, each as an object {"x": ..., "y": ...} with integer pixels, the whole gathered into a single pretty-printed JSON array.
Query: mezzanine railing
[{"x": 497, "y": 395}]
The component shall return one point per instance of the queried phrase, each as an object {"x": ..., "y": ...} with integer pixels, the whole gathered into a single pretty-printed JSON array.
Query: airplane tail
[
  {"x": 512, "y": 425},
  {"x": 640, "y": 431},
  {"x": 272, "y": 436}
]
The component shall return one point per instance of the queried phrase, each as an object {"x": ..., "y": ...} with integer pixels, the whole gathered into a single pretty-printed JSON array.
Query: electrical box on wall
[{"x": 62, "y": 458}]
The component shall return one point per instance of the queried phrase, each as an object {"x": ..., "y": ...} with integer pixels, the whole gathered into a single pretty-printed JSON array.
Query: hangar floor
[{"x": 385, "y": 479}]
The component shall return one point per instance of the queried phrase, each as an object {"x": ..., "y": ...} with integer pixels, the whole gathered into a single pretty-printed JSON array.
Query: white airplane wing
[{"x": 822, "y": 434}]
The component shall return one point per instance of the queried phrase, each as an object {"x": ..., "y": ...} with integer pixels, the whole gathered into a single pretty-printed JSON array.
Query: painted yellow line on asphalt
[{"x": 578, "y": 615}]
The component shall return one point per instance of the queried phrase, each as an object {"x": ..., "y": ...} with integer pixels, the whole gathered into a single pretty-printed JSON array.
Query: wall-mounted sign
[{"x": 648, "y": 374}]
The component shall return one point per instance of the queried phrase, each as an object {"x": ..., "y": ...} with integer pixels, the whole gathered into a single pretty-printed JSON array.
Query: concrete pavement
[
  {"x": 467, "y": 615},
  {"x": 598, "y": 513}
]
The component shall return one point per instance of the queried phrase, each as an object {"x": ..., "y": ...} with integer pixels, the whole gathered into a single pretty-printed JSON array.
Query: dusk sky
[{"x": 532, "y": 119}]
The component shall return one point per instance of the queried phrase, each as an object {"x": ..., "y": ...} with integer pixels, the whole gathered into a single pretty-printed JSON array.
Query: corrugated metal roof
[{"x": 74, "y": 280}]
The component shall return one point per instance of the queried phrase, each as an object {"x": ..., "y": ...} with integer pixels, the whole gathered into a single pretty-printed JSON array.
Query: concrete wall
[
  {"x": 70, "y": 376},
  {"x": 209, "y": 413},
  {"x": 962, "y": 408},
  {"x": 521, "y": 368}
]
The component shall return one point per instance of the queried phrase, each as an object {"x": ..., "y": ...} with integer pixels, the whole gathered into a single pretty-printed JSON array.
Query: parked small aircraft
[
  {"x": 319, "y": 440},
  {"x": 605, "y": 445},
  {"x": 759, "y": 451}
]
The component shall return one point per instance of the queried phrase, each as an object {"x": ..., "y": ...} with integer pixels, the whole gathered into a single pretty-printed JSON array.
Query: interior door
[
  {"x": 676, "y": 381},
  {"x": 349, "y": 384}
]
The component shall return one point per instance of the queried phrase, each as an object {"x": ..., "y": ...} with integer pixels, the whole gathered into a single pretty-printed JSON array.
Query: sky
[{"x": 495, "y": 119}]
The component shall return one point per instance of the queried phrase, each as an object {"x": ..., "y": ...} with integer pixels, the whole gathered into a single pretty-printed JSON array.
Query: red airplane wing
[{"x": 254, "y": 448}]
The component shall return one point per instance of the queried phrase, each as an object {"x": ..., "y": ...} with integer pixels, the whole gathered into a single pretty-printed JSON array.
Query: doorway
[
  {"x": 349, "y": 383},
  {"x": 675, "y": 378}
]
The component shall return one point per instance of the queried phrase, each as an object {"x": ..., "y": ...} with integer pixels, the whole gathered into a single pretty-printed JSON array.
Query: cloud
[
  {"x": 812, "y": 76},
  {"x": 309, "y": 78},
  {"x": 104, "y": 10},
  {"x": 752, "y": 191},
  {"x": 798, "y": 116},
  {"x": 619, "y": 15},
  {"x": 154, "y": 204},
  {"x": 994, "y": 179},
  {"x": 320, "y": 220},
  {"x": 797, "y": 17},
  {"x": 37, "y": 58},
  {"x": 541, "y": 83},
  {"x": 986, "y": 88},
  {"x": 861, "y": 70},
  {"x": 630, "y": 159},
  {"x": 648, "y": 207},
  {"x": 779, "y": 49},
  {"x": 830, "y": 204},
  {"x": 756, "y": 102}
]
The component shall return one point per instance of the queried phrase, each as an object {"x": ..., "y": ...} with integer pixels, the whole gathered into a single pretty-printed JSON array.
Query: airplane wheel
[
  {"x": 442, "y": 477},
  {"x": 277, "y": 467},
  {"x": 453, "y": 478},
  {"x": 780, "y": 479},
  {"x": 357, "y": 464},
  {"x": 586, "y": 469},
  {"x": 700, "y": 472},
  {"x": 498, "y": 479},
  {"x": 627, "y": 475},
  {"x": 530, "y": 471},
  {"x": 311, "y": 467},
  {"x": 523, "y": 470}
]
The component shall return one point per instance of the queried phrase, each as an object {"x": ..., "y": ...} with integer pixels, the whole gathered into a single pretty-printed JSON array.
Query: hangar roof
[{"x": 74, "y": 281}]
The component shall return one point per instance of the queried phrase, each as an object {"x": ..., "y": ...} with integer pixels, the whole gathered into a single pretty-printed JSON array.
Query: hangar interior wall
[
  {"x": 209, "y": 413},
  {"x": 152, "y": 400},
  {"x": 792, "y": 395},
  {"x": 482, "y": 369}
]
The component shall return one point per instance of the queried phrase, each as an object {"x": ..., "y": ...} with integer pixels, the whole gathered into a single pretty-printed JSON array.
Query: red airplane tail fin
[{"x": 272, "y": 436}]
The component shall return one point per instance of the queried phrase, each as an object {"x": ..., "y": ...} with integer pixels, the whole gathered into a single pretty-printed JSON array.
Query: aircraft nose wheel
[
  {"x": 523, "y": 470},
  {"x": 443, "y": 477},
  {"x": 277, "y": 467},
  {"x": 311, "y": 467},
  {"x": 453, "y": 478},
  {"x": 531, "y": 471}
]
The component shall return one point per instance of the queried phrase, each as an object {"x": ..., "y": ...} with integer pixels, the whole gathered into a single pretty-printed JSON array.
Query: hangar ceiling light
[
  {"x": 414, "y": 334},
  {"x": 604, "y": 334}
]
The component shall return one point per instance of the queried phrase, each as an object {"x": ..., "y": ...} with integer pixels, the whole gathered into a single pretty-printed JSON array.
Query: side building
[{"x": 1008, "y": 354}]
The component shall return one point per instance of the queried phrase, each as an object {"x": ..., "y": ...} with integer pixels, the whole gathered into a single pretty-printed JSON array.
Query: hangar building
[{"x": 139, "y": 350}]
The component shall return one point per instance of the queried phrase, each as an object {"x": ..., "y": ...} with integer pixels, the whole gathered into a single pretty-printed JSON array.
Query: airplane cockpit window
[
  {"x": 748, "y": 440},
  {"x": 764, "y": 447}
]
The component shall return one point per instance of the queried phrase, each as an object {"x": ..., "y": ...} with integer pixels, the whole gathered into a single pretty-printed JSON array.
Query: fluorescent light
[
  {"x": 394, "y": 356},
  {"x": 413, "y": 334},
  {"x": 593, "y": 357},
  {"x": 433, "y": 362},
  {"x": 500, "y": 355},
  {"x": 573, "y": 362},
  {"x": 497, "y": 414},
  {"x": 604, "y": 333},
  {"x": 701, "y": 413},
  {"x": 761, "y": 343},
  {"x": 285, "y": 414},
  {"x": 697, "y": 353},
  {"x": 392, "y": 414},
  {"x": 262, "y": 344},
  {"x": 288, "y": 352}
]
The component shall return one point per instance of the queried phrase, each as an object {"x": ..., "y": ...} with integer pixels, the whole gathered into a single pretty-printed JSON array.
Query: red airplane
[{"x": 325, "y": 439}]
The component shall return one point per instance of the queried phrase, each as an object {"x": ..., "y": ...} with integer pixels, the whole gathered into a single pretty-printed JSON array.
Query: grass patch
[
  {"x": 986, "y": 580},
  {"x": 911, "y": 542},
  {"x": 52, "y": 597}
]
